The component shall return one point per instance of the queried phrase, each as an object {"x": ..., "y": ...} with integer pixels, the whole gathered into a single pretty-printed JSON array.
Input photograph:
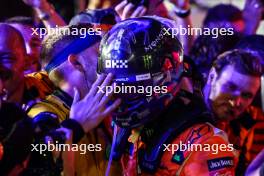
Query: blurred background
[
  {"x": 200, "y": 7},
  {"x": 68, "y": 8}
]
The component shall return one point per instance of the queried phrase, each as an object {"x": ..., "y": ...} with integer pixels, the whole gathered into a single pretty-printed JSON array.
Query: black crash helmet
[{"x": 141, "y": 53}]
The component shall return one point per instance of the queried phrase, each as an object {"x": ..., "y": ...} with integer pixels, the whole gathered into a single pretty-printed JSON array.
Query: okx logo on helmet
[{"x": 138, "y": 52}]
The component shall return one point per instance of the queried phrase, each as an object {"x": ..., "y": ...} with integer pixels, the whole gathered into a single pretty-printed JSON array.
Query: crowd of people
[{"x": 131, "y": 88}]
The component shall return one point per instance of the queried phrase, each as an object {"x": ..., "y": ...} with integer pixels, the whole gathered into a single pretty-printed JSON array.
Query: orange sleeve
[
  {"x": 217, "y": 158},
  {"x": 209, "y": 154}
]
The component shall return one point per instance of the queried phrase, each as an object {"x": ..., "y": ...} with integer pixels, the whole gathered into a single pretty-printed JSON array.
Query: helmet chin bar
[{"x": 143, "y": 112}]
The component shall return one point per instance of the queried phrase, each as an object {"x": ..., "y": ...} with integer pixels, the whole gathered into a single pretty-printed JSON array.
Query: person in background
[
  {"x": 32, "y": 41},
  {"x": 228, "y": 99},
  {"x": 253, "y": 14},
  {"x": 45, "y": 11},
  {"x": 19, "y": 89},
  {"x": 70, "y": 61},
  {"x": 252, "y": 43},
  {"x": 205, "y": 50},
  {"x": 225, "y": 16},
  {"x": 247, "y": 131},
  {"x": 17, "y": 133},
  {"x": 223, "y": 92}
]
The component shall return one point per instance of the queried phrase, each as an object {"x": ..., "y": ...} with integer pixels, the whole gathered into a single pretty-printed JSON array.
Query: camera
[
  {"x": 45, "y": 124},
  {"x": 43, "y": 164},
  {"x": 18, "y": 133}
]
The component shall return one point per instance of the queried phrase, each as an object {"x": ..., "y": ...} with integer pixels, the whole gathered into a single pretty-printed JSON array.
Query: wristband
[{"x": 77, "y": 129}]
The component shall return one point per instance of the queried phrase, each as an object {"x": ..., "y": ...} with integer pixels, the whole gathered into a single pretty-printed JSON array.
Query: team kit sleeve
[
  {"x": 213, "y": 156},
  {"x": 212, "y": 163}
]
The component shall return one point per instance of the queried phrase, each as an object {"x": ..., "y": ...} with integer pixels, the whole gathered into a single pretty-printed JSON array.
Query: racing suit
[{"x": 154, "y": 149}]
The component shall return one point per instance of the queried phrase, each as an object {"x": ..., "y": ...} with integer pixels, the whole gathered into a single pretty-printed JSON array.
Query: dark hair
[
  {"x": 29, "y": 21},
  {"x": 206, "y": 49},
  {"x": 243, "y": 61},
  {"x": 222, "y": 13},
  {"x": 255, "y": 45},
  {"x": 252, "y": 43}
]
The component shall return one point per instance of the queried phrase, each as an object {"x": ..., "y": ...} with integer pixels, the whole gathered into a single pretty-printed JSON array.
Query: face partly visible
[
  {"x": 12, "y": 57},
  {"x": 33, "y": 45},
  {"x": 88, "y": 60},
  {"x": 90, "y": 63},
  {"x": 231, "y": 93}
]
